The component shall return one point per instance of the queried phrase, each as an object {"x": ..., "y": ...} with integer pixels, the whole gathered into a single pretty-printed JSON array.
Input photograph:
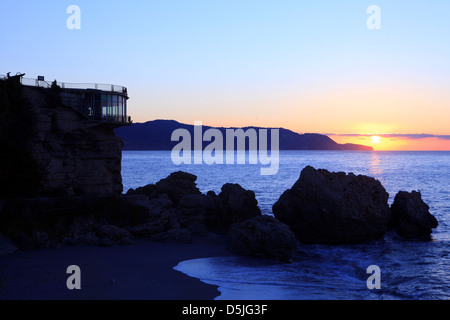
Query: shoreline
[{"x": 140, "y": 271}]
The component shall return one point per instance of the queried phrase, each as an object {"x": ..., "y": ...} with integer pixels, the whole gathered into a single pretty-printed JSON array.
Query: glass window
[
  {"x": 104, "y": 106},
  {"x": 120, "y": 108},
  {"x": 115, "y": 106},
  {"x": 109, "y": 106}
]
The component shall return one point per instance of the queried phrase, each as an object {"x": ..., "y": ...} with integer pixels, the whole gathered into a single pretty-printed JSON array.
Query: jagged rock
[
  {"x": 264, "y": 237},
  {"x": 233, "y": 204},
  {"x": 6, "y": 246},
  {"x": 48, "y": 223},
  {"x": 334, "y": 208},
  {"x": 149, "y": 191},
  {"x": 411, "y": 216},
  {"x": 161, "y": 218},
  {"x": 175, "y": 186},
  {"x": 114, "y": 234},
  {"x": 194, "y": 212},
  {"x": 199, "y": 213},
  {"x": 88, "y": 238}
]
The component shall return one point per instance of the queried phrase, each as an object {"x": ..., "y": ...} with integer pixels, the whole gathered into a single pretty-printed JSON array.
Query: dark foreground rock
[
  {"x": 6, "y": 247},
  {"x": 49, "y": 223},
  {"x": 411, "y": 216},
  {"x": 334, "y": 208},
  {"x": 172, "y": 210},
  {"x": 175, "y": 186},
  {"x": 233, "y": 204},
  {"x": 263, "y": 237}
]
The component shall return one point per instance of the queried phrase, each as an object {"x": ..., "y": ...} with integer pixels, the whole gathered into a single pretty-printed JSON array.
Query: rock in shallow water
[
  {"x": 334, "y": 208},
  {"x": 411, "y": 216}
]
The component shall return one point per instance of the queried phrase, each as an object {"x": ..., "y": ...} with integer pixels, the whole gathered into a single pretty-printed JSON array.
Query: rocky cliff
[{"x": 70, "y": 154}]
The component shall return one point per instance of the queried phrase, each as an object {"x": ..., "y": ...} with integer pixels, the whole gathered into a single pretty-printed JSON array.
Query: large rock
[
  {"x": 198, "y": 212},
  {"x": 233, "y": 204},
  {"x": 334, "y": 208},
  {"x": 264, "y": 237},
  {"x": 161, "y": 218},
  {"x": 195, "y": 213},
  {"x": 175, "y": 186},
  {"x": 411, "y": 216}
]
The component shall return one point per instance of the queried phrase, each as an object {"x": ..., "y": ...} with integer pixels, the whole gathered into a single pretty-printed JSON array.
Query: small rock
[{"x": 411, "y": 216}]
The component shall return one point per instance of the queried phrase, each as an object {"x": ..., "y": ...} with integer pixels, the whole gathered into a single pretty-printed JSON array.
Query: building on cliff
[{"x": 58, "y": 138}]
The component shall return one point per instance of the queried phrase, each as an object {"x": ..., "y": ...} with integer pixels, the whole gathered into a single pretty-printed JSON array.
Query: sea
[{"x": 408, "y": 270}]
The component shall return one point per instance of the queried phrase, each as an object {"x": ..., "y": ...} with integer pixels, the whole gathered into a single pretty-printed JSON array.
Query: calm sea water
[{"x": 409, "y": 269}]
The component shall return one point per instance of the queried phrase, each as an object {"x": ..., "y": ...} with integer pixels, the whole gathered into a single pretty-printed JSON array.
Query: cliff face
[
  {"x": 73, "y": 155},
  {"x": 76, "y": 156}
]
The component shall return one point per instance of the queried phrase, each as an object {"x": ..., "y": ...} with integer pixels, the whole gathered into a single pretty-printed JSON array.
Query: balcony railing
[{"x": 65, "y": 85}]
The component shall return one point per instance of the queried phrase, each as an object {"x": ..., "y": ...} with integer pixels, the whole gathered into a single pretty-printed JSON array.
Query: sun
[{"x": 376, "y": 139}]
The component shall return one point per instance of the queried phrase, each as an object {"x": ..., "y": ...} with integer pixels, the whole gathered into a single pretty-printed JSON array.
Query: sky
[{"x": 309, "y": 66}]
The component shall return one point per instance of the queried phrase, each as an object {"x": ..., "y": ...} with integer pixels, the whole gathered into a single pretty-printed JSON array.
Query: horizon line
[{"x": 414, "y": 136}]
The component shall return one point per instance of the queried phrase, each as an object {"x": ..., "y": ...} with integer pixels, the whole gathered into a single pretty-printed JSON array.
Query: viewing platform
[{"x": 99, "y": 103}]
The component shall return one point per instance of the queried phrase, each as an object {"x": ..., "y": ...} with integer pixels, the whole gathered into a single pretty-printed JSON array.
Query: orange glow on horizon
[{"x": 395, "y": 143}]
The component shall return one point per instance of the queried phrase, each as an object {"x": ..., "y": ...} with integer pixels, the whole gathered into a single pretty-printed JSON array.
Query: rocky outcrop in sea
[
  {"x": 322, "y": 207},
  {"x": 326, "y": 207},
  {"x": 410, "y": 215},
  {"x": 334, "y": 208}
]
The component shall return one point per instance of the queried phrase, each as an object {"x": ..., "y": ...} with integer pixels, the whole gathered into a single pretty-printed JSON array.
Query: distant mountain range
[{"x": 156, "y": 135}]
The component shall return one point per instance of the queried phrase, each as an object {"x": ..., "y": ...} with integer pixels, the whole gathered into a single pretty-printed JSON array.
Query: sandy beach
[{"x": 141, "y": 271}]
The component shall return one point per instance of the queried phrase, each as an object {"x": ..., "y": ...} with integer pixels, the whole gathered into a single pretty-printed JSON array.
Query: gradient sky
[{"x": 309, "y": 66}]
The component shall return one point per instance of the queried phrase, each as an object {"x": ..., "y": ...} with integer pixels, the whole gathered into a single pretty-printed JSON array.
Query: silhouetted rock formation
[
  {"x": 6, "y": 247},
  {"x": 175, "y": 186},
  {"x": 233, "y": 204},
  {"x": 156, "y": 135},
  {"x": 49, "y": 223},
  {"x": 194, "y": 211},
  {"x": 334, "y": 208},
  {"x": 322, "y": 207},
  {"x": 50, "y": 148},
  {"x": 411, "y": 216},
  {"x": 263, "y": 237}
]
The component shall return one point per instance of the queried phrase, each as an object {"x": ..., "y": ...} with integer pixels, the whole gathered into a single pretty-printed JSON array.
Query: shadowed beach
[{"x": 140, "y": 271}]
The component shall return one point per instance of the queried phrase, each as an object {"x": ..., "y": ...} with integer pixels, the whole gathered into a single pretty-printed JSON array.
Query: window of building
[{"x": 108, "y": 107}]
